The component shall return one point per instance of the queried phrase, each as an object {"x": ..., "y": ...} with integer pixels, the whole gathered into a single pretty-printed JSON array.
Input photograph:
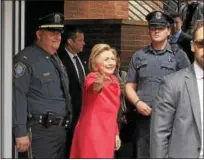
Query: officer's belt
[{"x": 48, "y": 121}]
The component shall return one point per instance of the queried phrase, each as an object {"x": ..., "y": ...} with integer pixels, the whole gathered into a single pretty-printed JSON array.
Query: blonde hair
[{"x": 96, "y": 51}]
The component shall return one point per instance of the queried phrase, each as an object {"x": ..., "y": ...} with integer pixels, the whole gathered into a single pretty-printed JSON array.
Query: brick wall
[
  {"x": 133, "y": 38},
  {"x": 100, "y": 9}
]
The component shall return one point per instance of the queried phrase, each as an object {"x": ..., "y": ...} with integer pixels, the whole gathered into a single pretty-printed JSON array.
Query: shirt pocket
[
  {"x": 142, "y": 68},
  {"x": 168, "y": 67},
  {"x": 50, "y": 86}
]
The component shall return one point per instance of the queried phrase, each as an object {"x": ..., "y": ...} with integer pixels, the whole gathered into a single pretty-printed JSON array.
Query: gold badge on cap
[
  {"x": 57, "y": 18},
  {"x": 158, "y": 15}
]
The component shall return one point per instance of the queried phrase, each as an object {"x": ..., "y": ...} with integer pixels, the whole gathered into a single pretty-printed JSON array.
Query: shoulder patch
[{"x": 19, "y": 69}]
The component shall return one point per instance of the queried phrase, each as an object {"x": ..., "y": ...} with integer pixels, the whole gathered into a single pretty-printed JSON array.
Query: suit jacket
[
  {"x": 176, "y": 120},
  {"x": 75, "y": 87},
  {"x": 184, "y": 41}
]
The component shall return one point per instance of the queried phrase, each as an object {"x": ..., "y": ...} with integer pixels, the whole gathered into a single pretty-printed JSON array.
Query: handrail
[
  {"x": 138, "y": 9},
  {"x": 143, "y": 6}
]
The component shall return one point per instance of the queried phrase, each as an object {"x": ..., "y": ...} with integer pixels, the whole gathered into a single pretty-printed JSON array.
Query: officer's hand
[
  {"x": 22, "y": 144},
  {"x": 122, "y": 86},
  {"x": 143, "y": 108}
]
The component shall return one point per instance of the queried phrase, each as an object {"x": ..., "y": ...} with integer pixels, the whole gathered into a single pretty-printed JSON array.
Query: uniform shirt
[
  {"x": 37, "y": 87},
  {"x": 199, "y": 77},
  {"x": 74, "y": 62},
  {"x": 147, "y": 67}
]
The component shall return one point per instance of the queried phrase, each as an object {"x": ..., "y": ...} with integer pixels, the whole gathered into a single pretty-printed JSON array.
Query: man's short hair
[
  {"x": 175, "y": 15},
  {"x": 197, "y": 26},
  {"x": 70, "y": 32}
]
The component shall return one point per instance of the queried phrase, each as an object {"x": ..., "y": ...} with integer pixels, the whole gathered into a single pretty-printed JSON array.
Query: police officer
[
  {"x": 146, "y": 68},
  {"x": 41, "y": 101}
]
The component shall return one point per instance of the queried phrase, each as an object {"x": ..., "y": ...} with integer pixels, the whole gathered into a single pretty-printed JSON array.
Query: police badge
[
  {"x": 19, "y": 69},
  {"x": 158, "y": 15},
  {"x": 57, "y": 18}
]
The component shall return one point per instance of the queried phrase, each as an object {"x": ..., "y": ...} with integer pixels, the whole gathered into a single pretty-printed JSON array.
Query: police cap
[
  {"x": 52, "y": 22},
  {"x": 159, "y": 19}
]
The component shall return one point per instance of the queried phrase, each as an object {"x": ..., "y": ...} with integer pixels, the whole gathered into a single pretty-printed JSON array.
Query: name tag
[{"x": 46, "y": 74}]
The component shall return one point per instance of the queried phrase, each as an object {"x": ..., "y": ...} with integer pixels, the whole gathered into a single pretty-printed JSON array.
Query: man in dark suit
[
  {"x": 177, "y": 115},
  {"x": 73, "y": 43},
  {"x": 183, "y": 40}
]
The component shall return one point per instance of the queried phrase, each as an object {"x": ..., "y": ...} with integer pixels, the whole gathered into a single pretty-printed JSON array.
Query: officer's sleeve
[
  {"x": 132, "y": 70},
  {"x": 182, "y": 60},
  {"x": 21, "y": 81}
]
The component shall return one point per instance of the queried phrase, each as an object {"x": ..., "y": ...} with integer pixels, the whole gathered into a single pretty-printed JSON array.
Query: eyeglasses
[{"x": 199, "y": 43}]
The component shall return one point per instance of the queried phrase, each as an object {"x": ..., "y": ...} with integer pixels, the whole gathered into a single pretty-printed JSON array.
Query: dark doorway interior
[{"x": 36, "y": 9}]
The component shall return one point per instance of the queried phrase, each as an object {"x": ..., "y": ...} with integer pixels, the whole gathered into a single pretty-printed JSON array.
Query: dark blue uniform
[
  {"x": 146, "y": 69},
  {"x": 41, "y": 100},
  {"x": 38, "y": 90}
]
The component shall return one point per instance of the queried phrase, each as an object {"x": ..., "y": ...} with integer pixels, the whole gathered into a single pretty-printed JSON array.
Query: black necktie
[
  {"x": 64, "y": 80},
  {"x": 80, "y": 70}
]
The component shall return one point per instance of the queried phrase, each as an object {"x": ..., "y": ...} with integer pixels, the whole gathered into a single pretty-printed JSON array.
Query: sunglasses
[{"x": 199, "y": 43}]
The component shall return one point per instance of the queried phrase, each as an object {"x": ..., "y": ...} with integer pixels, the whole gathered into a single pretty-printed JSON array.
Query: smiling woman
[{"x": 96, "y": 134}]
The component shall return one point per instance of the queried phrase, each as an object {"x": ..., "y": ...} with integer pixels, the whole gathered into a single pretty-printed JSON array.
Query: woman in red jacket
[{"x": 96, "y": 134}]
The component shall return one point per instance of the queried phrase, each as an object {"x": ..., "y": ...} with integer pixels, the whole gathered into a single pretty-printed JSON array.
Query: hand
[
  {"x": 99, "y": 81},
  {"x": 122, "y": 86},
  {"x": 101, "y": 78},
  {"x": 117, "y": 142},
  {"x": 22, "y": 144},
  {"x": 143, "y": 108}
]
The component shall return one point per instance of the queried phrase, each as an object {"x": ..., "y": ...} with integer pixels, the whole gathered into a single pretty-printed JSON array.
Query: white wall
[
  {"x": 10, "y": 43},
  {"x": 0, "y": 79},
  {"x": 6, "y": 78}
]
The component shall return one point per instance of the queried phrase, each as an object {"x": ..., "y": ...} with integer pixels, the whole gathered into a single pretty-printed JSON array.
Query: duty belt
[{"x": 48, "y": 120}]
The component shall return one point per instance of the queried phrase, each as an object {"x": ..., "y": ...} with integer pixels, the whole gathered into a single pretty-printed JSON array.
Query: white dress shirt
[
  {"x": 74, "y": 62},
  {"x": 199, "y": 77}
]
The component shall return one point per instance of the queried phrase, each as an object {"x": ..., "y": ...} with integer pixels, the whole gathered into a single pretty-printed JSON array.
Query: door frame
[{"x": 12, "y": 40}]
